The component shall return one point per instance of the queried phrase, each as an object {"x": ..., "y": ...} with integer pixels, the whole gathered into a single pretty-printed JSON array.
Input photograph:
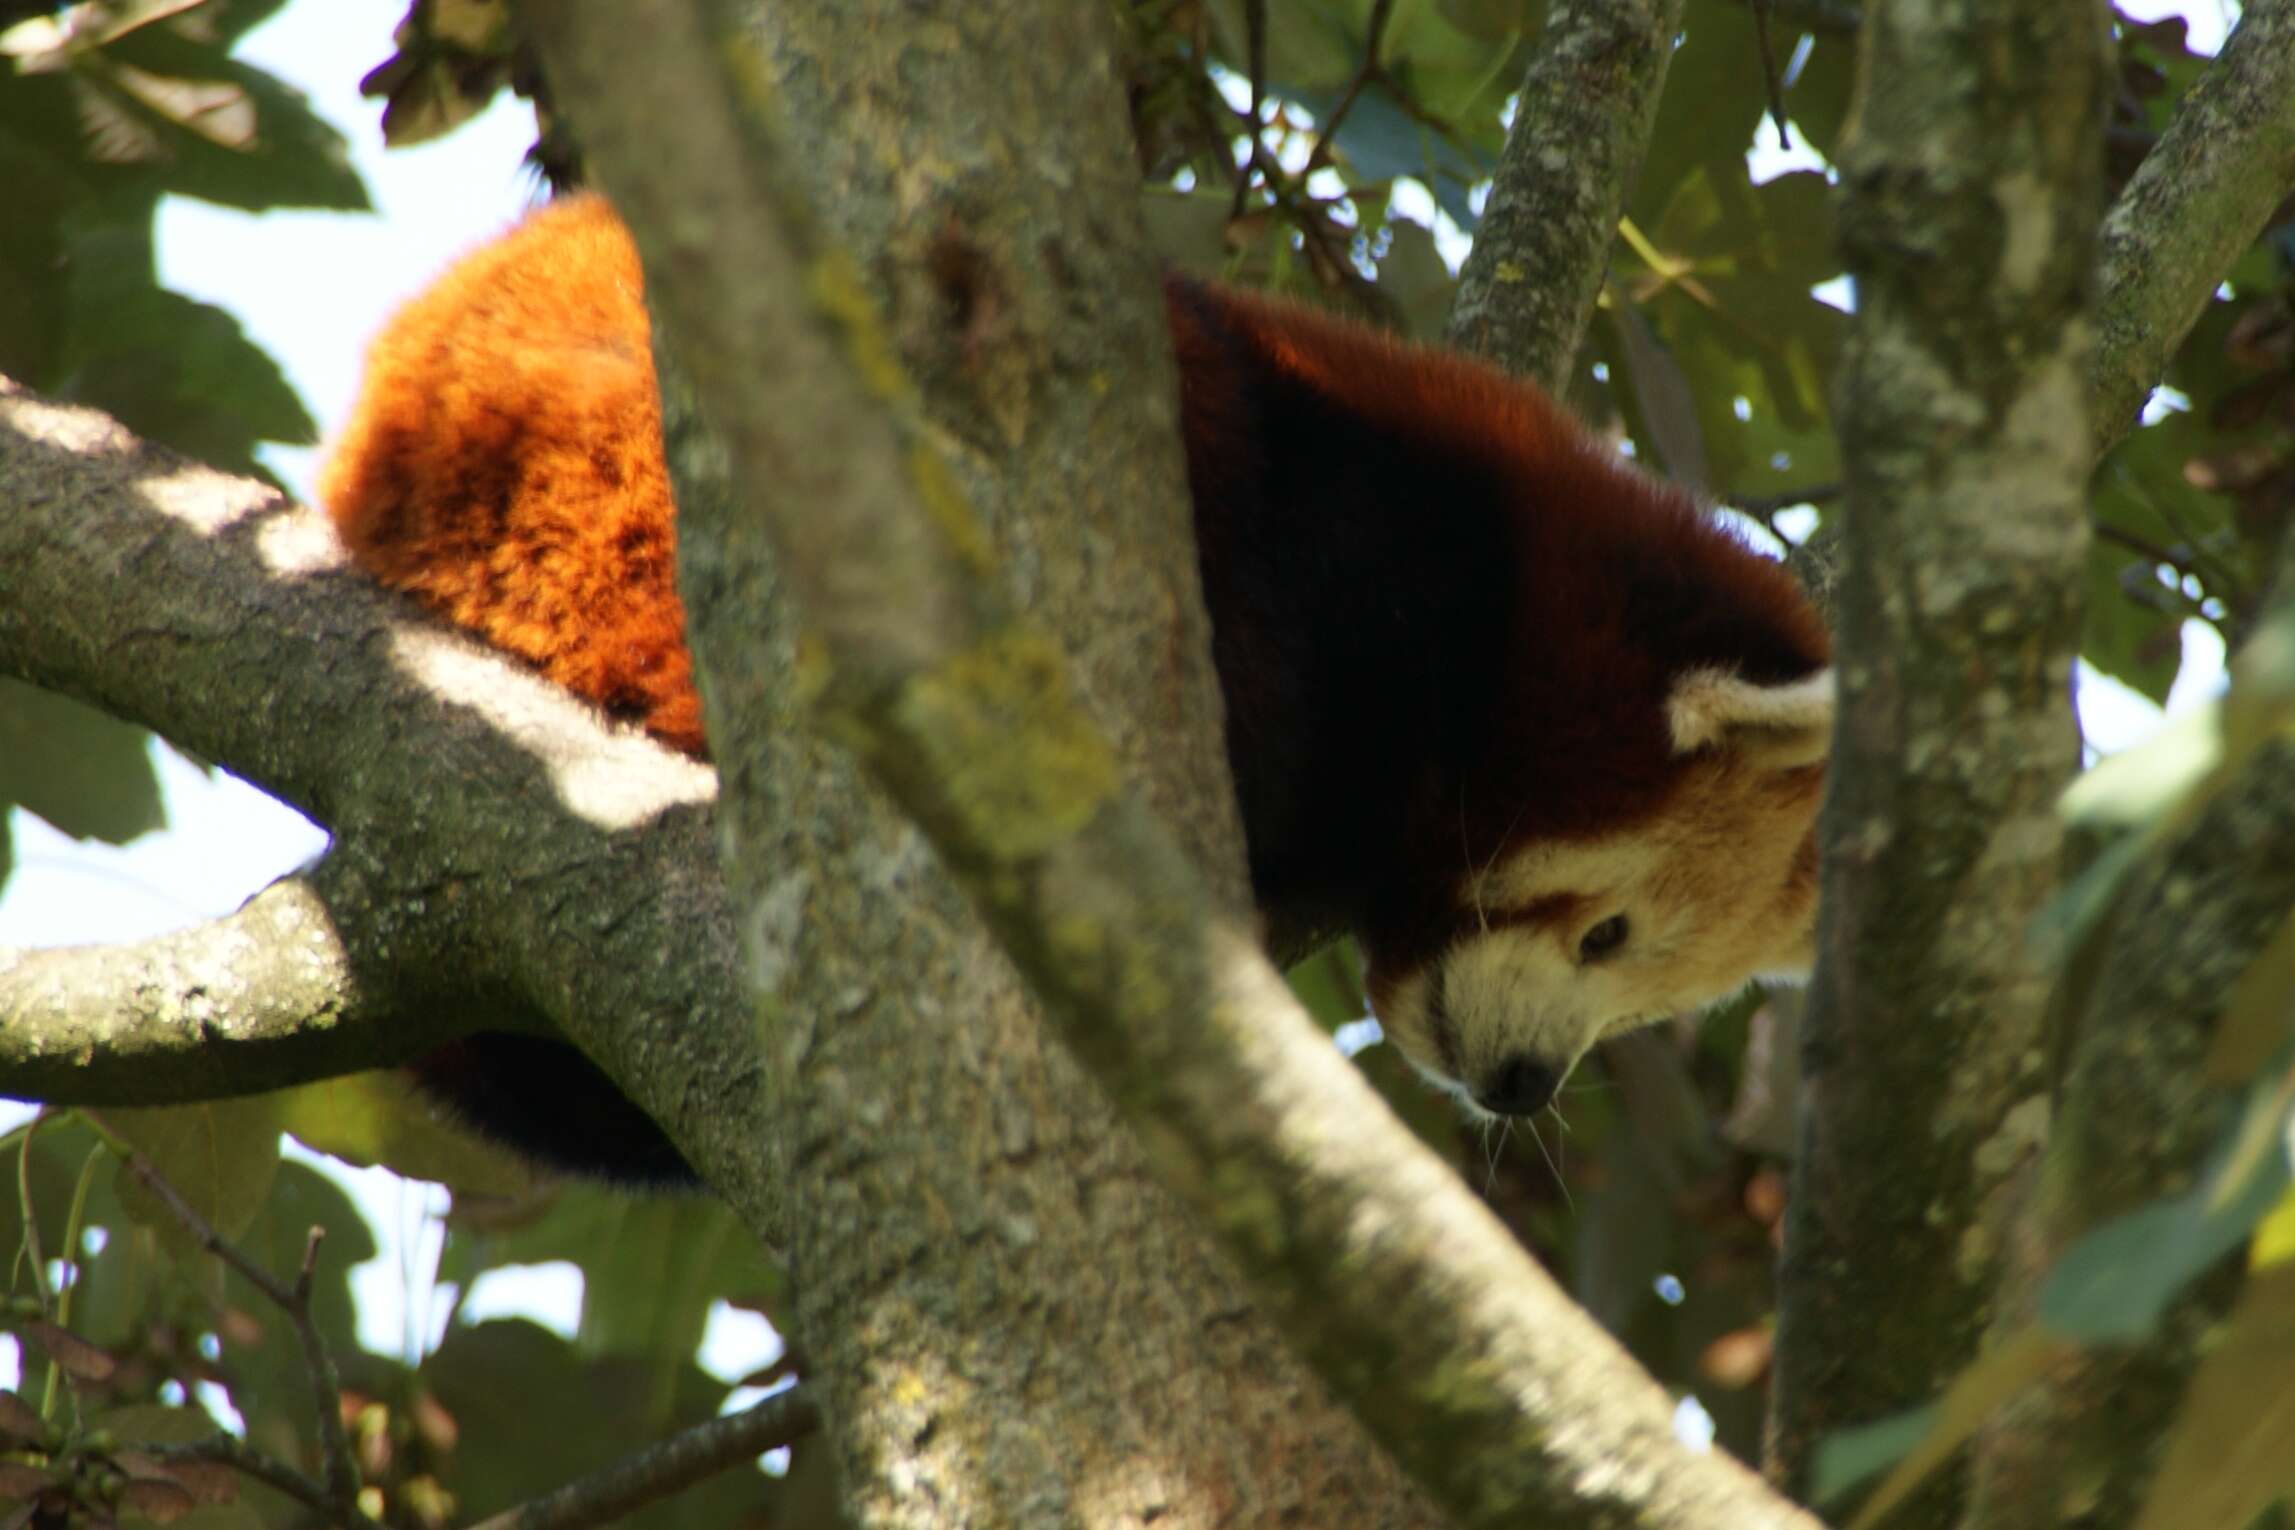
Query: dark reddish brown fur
[{"x": 1444, "y": 616}]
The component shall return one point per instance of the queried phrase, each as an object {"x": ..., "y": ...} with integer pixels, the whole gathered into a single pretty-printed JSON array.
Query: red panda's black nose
[{"x": 1520, "y": 1086}]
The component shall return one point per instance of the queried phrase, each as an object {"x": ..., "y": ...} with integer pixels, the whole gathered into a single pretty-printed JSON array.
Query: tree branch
[
  {"x": 293, "y": 1302},
  {"x": 237, "y": 1454},
  {"x": 667, "y": 1466},
  {"x": 1967, "y": 449},
  {"x": 2225, "y": 163},
  {"x": 2136, "y": 1113},
  {"x": 567, "y": 878},
  {"x": 1542, "y": 248},
  {"x": 1377, "y": 1261},
  {"x": 262, "y": 998}
]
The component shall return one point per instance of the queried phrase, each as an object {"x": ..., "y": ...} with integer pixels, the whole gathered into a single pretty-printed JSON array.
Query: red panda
[{"x": 1546, "y": 738}]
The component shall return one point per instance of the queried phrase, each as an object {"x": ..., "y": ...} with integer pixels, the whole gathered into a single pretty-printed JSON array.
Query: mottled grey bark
[
  {"x": 1008, "y": 1322},
  {"x": 2136, "y": 1114},
  {"x": 1542, "y": 248},
  {"x": 937, "y": 1147},
  {"x": 1972, "y": 179},
  {"x": 2224, "y": 165},
  {"x": 265, "y": 997},
  {"x": 501, "y": 857}
]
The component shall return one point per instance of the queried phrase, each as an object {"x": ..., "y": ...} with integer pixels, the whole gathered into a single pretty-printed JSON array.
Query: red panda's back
[{"x": 503, "y": 465}]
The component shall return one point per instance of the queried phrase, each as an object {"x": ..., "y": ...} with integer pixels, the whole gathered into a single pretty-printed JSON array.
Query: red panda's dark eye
[{"x": 1603, "y": 939}]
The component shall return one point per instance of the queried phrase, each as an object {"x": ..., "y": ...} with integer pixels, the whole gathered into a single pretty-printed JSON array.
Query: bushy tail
[
  {"x": 546, "y": 1100},
  {"x": 503, "y": 466}
]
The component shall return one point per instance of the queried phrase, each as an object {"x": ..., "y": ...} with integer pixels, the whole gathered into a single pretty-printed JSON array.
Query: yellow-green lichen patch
[
  {"x": 812, "y": 668},
  {"x": 747, "y": 71},
  {"x": 1018, "y": 765},
  {"x": 936, "y": 488},
  {"x": 834, "y": 283}
]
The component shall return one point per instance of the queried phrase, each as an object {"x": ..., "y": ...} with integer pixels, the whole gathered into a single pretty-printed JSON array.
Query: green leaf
[
  {"x": 1460, "y": 63},
  {"x": 87, "y": 773},
  {"x": 2112, "y": 1285},
  {"x": 178, "y": 371},
  {"x": 2274, "y": 1236},
  {"x": 649, "y": 1291},
  {"x": 1723, "y": 280},
  {"x": 157, "y": 1425},
  {"x": 221, "y": 1156},
  {"x": 1856, "y": 1455},
  {"x": 2260, "y": 705},
  {"x": 2258, "y": 1018},
  {"x": 44, "y": 188},
  {"x": 1818, "y": 98},
  {"x": 1714, "y": 95},
  {"x": 2231, "y": 1452},
  {"x": 531, "y": 1412},
  {"x": 1431, "y": 113},
  {"x": 1456, "y": 60},
  {"x": 651, "y": 1268},
  {"x": 374, "y": 1118},
  {"x": 2142, "y": 499},
  {"x": 2261, "y": 1132},
  {"x": 1990, "y": 1380},
  {"x": 1328, "y": 985},
  {"x": 270, "y": 1383},
  {"x": 1412, "y": 273},
  {"x": 2075, "y": 929},
  {"x": 204, "y": 125},
  {"x": 55, "y": 1167},
  {"x": 1188, "y": 229},
  {"x": 1381, "y": 141},
  {"x": 153, "y": 1424},
  {"x": 1665, "y": 409},
  {"x": 124, "y": 115},
  {"x": 2162, "y": 45},
  {"x": 2140, "y": 787}
]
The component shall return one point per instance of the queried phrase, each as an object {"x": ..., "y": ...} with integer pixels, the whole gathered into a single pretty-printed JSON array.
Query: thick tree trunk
[
  {"x": 1973, "y": 175},
  {"x": 1010, "y": 1323}
]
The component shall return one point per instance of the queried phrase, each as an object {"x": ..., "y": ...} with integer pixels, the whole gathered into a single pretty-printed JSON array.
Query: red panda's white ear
[{"x": 1780, "y": 726}]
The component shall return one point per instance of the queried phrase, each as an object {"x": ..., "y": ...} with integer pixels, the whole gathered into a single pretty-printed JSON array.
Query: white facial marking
[{"x": 1717, "y": 886}]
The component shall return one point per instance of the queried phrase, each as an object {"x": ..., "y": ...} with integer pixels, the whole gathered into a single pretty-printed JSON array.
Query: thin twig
[
  {"x": 1769, "y": 79},
  {"x": 224, "y": 1450},
  {"x": 667, "y": 1466},
  {"x": 53, "y": 1382},
  {"x": 2195, "y": 559},
  {"x": 1255, "y": 49},
  {"x": 1370, "y": 69},
  {"x": 1290, "y": 198},
  {"x": 294, "y": 1301},
  {"x": 2144, "y": 546},
  {"x": 31, "y": 1222},
  {"x": 2189, "y": 606}
]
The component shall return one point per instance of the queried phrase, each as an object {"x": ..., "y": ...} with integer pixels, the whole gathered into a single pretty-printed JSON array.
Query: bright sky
[{"x": 310, "y": 288}]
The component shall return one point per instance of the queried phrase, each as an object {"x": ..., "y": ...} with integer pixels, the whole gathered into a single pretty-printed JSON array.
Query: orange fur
[{"x": 503, "y": 465}]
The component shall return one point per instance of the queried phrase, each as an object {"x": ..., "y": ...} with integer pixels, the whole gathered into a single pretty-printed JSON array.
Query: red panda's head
[{"x": 1560, "y": 941}]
